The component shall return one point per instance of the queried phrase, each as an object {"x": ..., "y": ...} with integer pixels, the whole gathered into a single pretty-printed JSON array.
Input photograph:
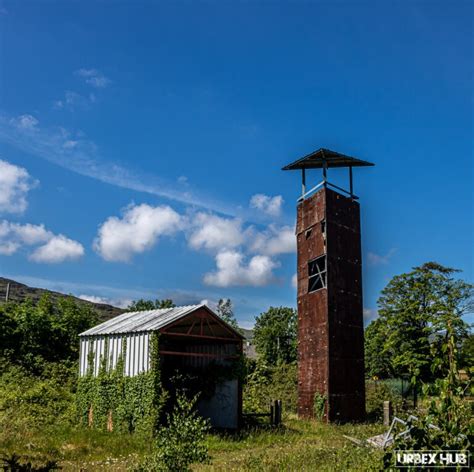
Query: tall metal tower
[{"x": 329, "y": 272}]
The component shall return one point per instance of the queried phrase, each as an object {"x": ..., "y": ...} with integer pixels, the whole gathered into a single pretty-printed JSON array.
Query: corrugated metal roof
[{"x": 136, "y": 321}]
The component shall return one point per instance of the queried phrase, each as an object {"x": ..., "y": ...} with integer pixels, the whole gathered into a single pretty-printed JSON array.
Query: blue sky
[{"x": 142, "y": 142}]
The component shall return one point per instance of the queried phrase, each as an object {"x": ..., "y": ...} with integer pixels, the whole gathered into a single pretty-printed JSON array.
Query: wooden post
[
  {"x": 279, "y": 411},
  {"x": 387, "y": 413},
  {"x": 91, "y": 416},
  {"x": 272, "y": 415},
  {"x": 110, "y": 422}
]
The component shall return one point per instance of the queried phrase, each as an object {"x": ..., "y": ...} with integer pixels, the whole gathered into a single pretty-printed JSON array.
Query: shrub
[
  {"x": 319, "y": 406},
  {"x": 33, "y": 402},
  {"x": 265, "y": 383},
  {"x": 181, "y": 442},
  {"x": 378, "y": 391}
]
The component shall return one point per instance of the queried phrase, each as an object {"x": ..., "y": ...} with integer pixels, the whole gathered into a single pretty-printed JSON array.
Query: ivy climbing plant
[{"x": 112, "y": 400}]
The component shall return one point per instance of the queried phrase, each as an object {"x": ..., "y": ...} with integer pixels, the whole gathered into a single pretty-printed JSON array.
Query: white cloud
[
  {"x": 15, "y": 235},
  {"x": 377, "y": 259},
  {"x": 232, "y": 270},
  {"x": 274, "y": 240},
  {"x": 370, "y": 314},
  {"x": 213, "y": 232},
  {"x": 120, "y": 303},
  {"x": 268, "y": 205},
  {"x": 25, "y": 122},
  {"x": 294, "y": 281},
  {"x": 137, "y": 231},
  {"x": 73, "y": 151},
  {"x": 15, "y": 183},
  {"x": 93, "y": 77},
  {"x": 212, "y": 304},
  {"x": 7, "y": 248},
  {"x": 72, "y": 100},
  {"x": 50, "y": 248},
  {"x": 58, "y": 249}
]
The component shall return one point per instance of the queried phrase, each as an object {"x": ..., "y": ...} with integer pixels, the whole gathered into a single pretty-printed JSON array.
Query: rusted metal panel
[{"x": 330, "y": 321}]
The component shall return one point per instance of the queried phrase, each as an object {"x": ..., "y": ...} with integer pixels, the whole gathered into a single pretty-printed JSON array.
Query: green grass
[
  {"x": 37, "y": 422},
  {"x": 298, "y": 445}
]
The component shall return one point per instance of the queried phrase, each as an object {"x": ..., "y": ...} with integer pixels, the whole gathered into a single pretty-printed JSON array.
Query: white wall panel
[{"x": 136, "y": 356}]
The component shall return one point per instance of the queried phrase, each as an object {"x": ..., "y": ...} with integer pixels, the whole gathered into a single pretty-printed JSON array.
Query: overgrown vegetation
[
  {"x": 265, "y": 383},
  {"x": 144, "y": 305},
  {"x": 33, "y": 336},
  {"x": 275, "y": 335},
  {"x": 181, "y": 441},
  {"x": 112, "y": 400},
  {"x": 319, "y": 405},
  {"x": 226, "y": 311},
  {"x": 414, "y": 311},
  {"x": 420, "y": 333},
  {"x": 447, "y": 423}
]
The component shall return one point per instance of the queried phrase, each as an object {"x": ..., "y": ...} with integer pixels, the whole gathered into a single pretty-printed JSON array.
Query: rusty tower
[{"x": 329, "y": 273}]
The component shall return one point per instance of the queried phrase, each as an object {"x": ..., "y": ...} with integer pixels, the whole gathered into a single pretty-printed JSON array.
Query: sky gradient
[{"x": 142, "y": 142}]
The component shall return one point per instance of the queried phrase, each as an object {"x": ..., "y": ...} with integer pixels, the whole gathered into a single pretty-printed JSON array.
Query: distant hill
[
  {"x": 247, "y": 333},
  {"x": 19, "y": 292}
]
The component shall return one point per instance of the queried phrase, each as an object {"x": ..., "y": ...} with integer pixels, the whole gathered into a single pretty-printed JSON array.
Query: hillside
[{"x": 19, "y": 292}]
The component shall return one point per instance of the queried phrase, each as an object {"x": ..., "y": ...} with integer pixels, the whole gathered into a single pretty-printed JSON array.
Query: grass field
[
  {"x": 298, "y": 445},
  {"x": 37, "y": 422}
]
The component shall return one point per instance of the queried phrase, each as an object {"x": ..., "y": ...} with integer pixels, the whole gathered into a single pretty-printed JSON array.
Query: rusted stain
[{"x": 330, "y": 321}]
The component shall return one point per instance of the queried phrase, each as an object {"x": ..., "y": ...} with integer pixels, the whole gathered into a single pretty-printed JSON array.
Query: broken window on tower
[{"x": 317, "y": 273}]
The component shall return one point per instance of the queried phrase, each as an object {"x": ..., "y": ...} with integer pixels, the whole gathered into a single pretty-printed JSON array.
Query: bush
[
  {"x": 378, "y": 391},
  {"x": 181, "y": 442},
  {"x": 29, "y": 402},
  {"x": 266, "y": 383}
]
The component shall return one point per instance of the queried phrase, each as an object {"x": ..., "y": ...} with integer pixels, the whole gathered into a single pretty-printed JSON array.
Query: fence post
[{"x": 387, "y": 413}]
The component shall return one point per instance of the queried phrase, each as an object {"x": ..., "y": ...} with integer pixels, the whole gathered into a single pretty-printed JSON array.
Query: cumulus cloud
[
  {"x": 58, "y": 249},
  {"x": 137, "y": 231},
  {"x": 268, "y": 205},
  {"x": 213, "y": 232},
  {"x": 274, "y": 240},
  {"x": 50, "y": 248},
  {"x": 120, "y": 303},
  {"x": 15, "y": 183},
  {"x": 233, "y": 270},
  {"x": 15, "y": 235},
  {"x": 93, "y": 77}
]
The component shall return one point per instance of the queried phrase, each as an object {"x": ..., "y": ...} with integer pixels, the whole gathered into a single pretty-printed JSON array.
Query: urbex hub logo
[{"x": 432, "y": 459}]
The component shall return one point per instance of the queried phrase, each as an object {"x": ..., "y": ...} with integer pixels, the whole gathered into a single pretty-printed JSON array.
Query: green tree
[
  {"x": 448, "y": 411},
  {"x": 32, "y": 334},
  {"x": 377, "y": 361},
  {"x": 415, "y": 308},
  {"x": 144, "y": 305},
  {"x": 226, "y": 312},
  {"x": 275, "y": 335},
  {"x": 466, "y": 353}
]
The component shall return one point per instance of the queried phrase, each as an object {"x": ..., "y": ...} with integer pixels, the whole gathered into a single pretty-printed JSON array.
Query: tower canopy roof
[{"x": 316, "y": 160}]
